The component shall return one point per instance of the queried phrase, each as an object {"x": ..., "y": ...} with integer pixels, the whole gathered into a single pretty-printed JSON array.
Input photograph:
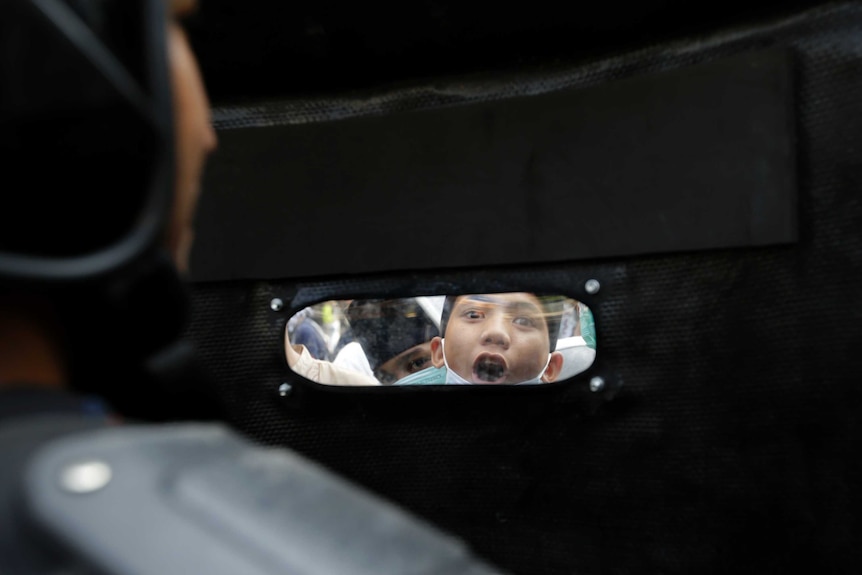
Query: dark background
[
  {"x": 683, "y": 160},
  {"x": 260, "y": 49}
]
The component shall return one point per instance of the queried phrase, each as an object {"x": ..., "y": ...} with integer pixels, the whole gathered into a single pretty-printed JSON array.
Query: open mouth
[{"x": 489, "y": 368}]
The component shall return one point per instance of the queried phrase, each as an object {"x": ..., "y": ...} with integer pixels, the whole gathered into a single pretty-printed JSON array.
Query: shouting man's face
[{"x": 497, "y": 338}]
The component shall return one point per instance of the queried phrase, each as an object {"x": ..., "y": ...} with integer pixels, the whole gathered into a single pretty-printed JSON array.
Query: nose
[{"x": 496, "y": 332}]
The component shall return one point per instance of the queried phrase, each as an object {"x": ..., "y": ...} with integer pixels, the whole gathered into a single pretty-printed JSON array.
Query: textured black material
[
  {"x": 268, "y": 49},
  {"x": 732, "y": 445},
  {"x": 683, "y": 160}
]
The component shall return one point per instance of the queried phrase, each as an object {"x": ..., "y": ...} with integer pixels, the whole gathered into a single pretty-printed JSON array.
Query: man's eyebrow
[
  {"x": 509, "y": 305},
  {"x": 412, "y": 354},
  {"x": 524, "y": 306},
  {"x": 481, "y": 298}
]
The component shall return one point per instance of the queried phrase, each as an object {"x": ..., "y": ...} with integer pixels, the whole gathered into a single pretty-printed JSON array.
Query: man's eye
[
  {"x": 473, "y": 314},
  {"x": 417, "y": 364},
  {"x": 524, "y": 321}
]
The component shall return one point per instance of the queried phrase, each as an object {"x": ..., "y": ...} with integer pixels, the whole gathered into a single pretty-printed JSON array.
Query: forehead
[{"x": 521, "y": 300}]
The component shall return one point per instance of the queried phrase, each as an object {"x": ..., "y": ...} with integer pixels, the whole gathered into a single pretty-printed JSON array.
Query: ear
[
  {"x": 555, "y": 366},
  {"x": 437, "y": 351}
]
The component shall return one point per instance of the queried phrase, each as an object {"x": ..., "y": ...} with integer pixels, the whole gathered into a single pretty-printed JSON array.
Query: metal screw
[
  {"x": 85, "y": 477},
  {"x": 284, "y": 389},
  {"x": 592, "y": 286},
  {"x": 597, "y": 383},
  {"x": 276, "y": 304}
]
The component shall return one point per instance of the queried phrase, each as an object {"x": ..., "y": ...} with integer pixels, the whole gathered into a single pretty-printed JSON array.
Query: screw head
[
  {"x": 597, "y": 384},
  {"x": 85, "y": 477},
  {"x": 284, "y": 389},
  {"x": 276, "y": 304},
  {"x": 592, "y": 286}
]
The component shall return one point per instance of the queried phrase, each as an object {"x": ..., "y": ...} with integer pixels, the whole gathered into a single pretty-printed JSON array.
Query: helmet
[{"x": 86, "y": 137}]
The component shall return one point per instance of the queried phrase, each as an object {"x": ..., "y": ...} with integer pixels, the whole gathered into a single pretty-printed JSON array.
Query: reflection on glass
[{"x": 502, "y": 338}]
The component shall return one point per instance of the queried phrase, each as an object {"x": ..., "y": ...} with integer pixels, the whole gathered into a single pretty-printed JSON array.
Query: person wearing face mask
[
  {"x": 390, "y": 339},
  {"x": 395, "y": 336},
  {"x": 504, "y": 338}
]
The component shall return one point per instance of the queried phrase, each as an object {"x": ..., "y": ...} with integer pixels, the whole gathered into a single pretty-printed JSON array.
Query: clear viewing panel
[{"x": 513, "y": 338}]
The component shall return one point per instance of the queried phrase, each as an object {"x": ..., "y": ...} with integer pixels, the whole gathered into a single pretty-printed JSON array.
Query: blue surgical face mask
[
  {"x": 538, "y": 378},
  {"x": 428, "y": 376},
  {"x": 454, "y": 378},
  {"x": 451, "y": 376}
]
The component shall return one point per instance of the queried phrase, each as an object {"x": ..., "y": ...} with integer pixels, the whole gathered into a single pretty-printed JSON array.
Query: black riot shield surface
[{"x": 697, "y": 187}]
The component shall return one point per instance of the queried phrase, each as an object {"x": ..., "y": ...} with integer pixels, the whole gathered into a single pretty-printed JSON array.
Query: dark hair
[
  {"x": 386, "y": 328},
  {"x": 551, "y": 305}
]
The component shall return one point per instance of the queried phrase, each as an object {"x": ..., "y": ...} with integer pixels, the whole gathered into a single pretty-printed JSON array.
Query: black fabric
[
  {"x": 498, "y": 177},
  {"x": 24, "y": 401},
  {"x": 270, "y": 50},
  {"x": 727, "y": 440}
]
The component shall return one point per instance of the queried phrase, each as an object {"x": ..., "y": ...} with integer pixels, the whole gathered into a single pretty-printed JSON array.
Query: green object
[
  {"x": 326, "y": 314},
  {"x": 588, "y": 328}
]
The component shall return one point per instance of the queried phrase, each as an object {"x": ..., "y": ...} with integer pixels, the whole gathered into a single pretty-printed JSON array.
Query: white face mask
[{"x": 454, "y": 378}]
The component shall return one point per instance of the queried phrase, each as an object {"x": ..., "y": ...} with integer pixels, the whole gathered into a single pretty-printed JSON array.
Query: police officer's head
[{"x": 104, "y": 129}]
